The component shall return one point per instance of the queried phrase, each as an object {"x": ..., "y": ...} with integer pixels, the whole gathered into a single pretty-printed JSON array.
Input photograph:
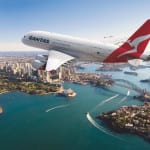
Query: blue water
[{"x": 28, "y": 125}]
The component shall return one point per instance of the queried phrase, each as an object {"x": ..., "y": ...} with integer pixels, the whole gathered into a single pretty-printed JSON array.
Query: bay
[{"x": 26, "y": 123}]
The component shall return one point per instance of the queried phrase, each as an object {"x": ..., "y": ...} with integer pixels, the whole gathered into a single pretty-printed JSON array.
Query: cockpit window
[{"x": 43, "y": 40}]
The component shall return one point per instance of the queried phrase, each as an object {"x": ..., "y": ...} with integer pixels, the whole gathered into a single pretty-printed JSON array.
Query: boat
[
  {"x": 87, "y": 113},
  {"x": 131, "y": 73},
  {"x": 145, "y": 80}
]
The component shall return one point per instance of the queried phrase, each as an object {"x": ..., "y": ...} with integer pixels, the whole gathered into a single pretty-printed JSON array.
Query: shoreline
[
  {"x": 32, "y": 88},
  {"x": 129, "y": 119},
  {"x": 29, "y": 93},
  {"x": 4, "y": 92},
  {"x": 57, "y": 92}
]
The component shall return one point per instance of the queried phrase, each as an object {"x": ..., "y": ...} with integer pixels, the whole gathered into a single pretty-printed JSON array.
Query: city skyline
[{"x": 82, "y": 18}]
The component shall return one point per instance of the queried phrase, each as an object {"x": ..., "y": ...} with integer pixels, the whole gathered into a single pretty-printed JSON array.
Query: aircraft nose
[{"x": 23, "y": 39}]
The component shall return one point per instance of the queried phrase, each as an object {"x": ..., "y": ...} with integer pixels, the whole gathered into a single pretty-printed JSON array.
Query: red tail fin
[{"x": 134, "y": 47}]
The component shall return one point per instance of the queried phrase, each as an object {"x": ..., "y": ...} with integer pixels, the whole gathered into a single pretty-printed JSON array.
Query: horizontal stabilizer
[{"x": 135, "y": 62}]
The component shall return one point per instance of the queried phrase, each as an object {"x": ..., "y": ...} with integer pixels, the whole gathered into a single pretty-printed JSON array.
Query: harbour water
[{"x": 52, "y": 122}]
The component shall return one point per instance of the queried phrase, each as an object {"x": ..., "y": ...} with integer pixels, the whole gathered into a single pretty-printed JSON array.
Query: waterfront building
[{"x": 21, "y": 68}]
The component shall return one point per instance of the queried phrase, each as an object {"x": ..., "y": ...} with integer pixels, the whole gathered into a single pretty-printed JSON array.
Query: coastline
[
  {"x": 32, "y": 88},
  {"x": 129, "y": 119},
  {"x": 31, "y": 94},
  {"x": 4, "y": 92}
]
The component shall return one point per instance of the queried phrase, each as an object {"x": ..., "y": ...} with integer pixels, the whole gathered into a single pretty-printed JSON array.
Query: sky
[{"x": 90, "y": 19}]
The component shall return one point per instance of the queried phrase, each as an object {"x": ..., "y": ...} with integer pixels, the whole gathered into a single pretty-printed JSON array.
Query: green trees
[{"x": 27, "y": 87}]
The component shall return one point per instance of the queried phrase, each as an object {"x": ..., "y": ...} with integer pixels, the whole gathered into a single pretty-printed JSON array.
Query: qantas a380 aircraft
[{"x": 63, "y": 48}]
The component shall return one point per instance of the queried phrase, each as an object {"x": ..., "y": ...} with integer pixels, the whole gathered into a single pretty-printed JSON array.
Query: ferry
[
  {"x": 87, "y": 113},
  {"x": 145, "y": 80},
  {"x": 131, "y": 73}
]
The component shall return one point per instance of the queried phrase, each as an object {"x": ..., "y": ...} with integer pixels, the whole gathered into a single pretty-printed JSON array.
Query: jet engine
[
  {"x": 40, "y": 62},
  {"x": 42, "y": 57}
]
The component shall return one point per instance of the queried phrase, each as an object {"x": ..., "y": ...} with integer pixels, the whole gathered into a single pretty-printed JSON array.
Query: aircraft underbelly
[
  {"x": 82, "y": 51},
  {"x": 85, "y": 54},
  {"x": 91, "y": 53}
]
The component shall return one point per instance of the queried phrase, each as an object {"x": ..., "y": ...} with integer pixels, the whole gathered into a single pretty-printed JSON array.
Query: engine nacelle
[
  {"x": 40, "y": 62},
  {"x": 37, "y": 64},
  {"x": 42, "y": 57}
]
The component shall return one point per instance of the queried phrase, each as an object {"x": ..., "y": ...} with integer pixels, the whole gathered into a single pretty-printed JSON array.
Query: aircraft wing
[{"x": 56, "y": 59}]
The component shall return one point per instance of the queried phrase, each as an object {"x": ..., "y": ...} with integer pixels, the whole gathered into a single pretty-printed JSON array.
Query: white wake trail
[
  {"x": 92, "y": 121},
  {"x": 56, "y": 107},
  {"x": 95, "y": 124},
  {"x": 111, "y": 98},
  {"x": 124, "y": 98},
  {"x": 107, "y": 100},
  {"x": 103, "y": 102}
]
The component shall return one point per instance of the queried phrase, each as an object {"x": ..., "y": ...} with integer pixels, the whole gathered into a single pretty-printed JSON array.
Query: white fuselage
[{"x": 76, "y": 47}]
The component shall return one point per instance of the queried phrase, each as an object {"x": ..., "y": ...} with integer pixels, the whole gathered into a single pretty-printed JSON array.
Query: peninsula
[
  {"x": 28, "y": 87},
  {"x": 129, "y": 119}
]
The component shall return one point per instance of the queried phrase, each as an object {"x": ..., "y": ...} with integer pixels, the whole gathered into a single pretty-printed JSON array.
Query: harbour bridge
[{"x": 130, "y": 85}]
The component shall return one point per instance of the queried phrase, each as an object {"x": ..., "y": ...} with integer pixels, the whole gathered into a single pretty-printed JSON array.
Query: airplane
[{"x": 64, "y": 48}]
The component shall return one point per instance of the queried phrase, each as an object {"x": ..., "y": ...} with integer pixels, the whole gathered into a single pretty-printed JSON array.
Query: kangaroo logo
[{"x": 134, "y": 44}]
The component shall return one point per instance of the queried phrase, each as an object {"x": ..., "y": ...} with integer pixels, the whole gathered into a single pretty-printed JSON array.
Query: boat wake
[
  {"x": 108, "y": 99},
  {"x": 56, "y": 107},
  {"x": 124, "y": 98},
  {"x": 105, "y": 101},
  {"x": 95, "y": 124},
  {"x": 92, "y": 121},
  {"x": 111, "y": 98}
]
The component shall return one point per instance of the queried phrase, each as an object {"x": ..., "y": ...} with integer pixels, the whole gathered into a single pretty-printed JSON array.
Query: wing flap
[{"x": 56, "y": 59}]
